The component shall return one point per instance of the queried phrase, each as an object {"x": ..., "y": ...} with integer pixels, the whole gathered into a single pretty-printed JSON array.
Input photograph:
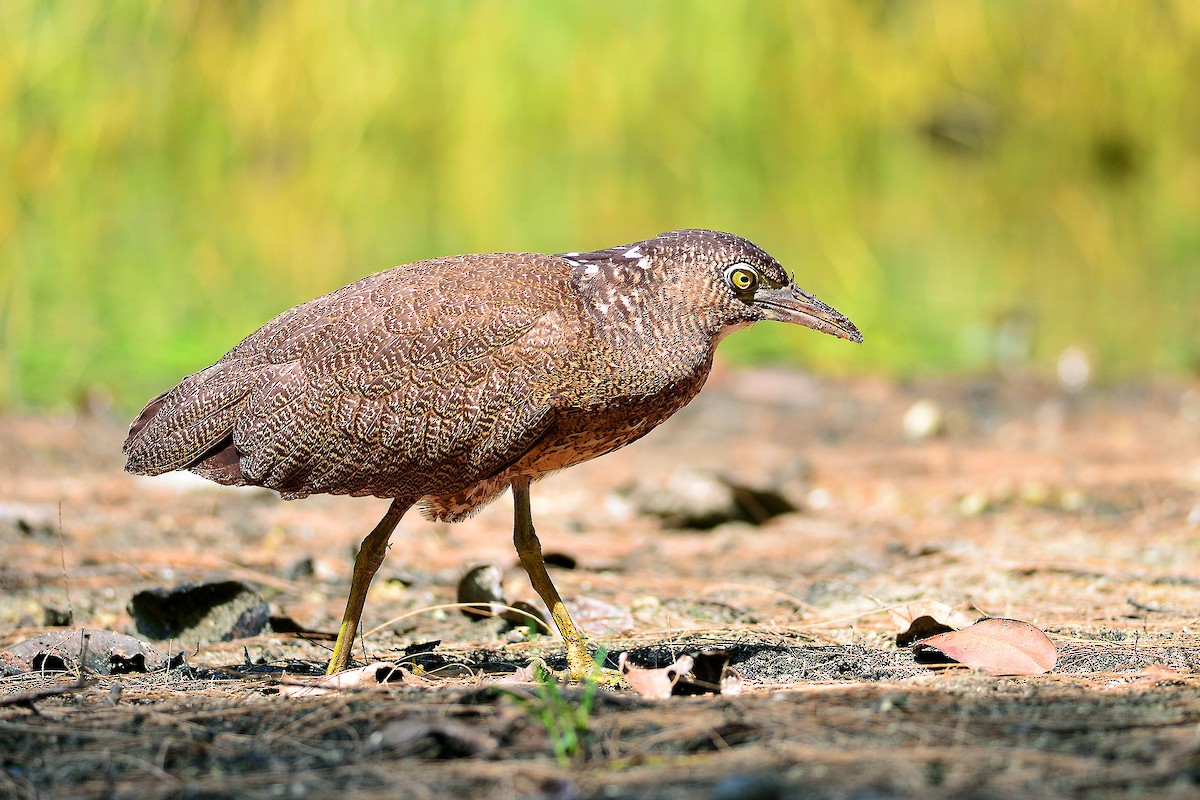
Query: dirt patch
[{"x": 1078, "y": 513}]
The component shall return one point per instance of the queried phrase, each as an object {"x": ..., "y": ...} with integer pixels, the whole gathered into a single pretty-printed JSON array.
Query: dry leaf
[
  {"x": 1150, "y": 675},
  {"x": 104, "y": 652},
  {"x": 1159, "y": 672},
  {"x": 654, "y": 684},
  {"x": 526, "y": 674},
  {"x": 710, "y": 674},
  {"x": 921, "y": 628},
  {"x": 731, "y": 681},
  {"x": 698, "y": 673},
  {"x": 379, "y": 673},
  {"x": 903, "y": 616},
  {"x": 598, "y": 618},
  {"x": 996, "y": 646}
]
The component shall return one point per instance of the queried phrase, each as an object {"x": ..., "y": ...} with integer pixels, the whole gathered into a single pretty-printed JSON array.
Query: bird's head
[{"x": 716, "y": 275}]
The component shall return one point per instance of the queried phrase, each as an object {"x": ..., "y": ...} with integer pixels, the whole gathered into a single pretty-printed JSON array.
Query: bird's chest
[{"x": 584, "y": 433}]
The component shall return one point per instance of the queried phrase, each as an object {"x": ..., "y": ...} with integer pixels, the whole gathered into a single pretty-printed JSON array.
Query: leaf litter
[{"x": 830, "y": 707}]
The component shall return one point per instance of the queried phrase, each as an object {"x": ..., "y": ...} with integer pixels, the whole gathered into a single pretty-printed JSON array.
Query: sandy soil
[{"x": 1080, "y": 514}]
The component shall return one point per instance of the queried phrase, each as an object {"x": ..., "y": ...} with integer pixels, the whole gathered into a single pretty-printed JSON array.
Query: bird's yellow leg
[
  {"x": 579, "y": 660},
  {"x": 366, "y": 564}
]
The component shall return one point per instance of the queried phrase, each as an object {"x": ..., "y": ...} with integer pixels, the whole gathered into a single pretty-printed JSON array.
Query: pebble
[
  {"x": 206, "y": 612},
  {"x": 1074, "y": 370},
  {"x": 481, "y": 586},
  {"x": 702, "y": 499},
  {"x": 973, "y": 504},
  {"x": 924, "y": 420},
  {"x": 35, "y": 520}
]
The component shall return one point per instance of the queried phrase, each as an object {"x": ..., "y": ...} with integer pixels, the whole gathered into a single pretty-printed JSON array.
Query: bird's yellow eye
[{"x": 742, "y": 278}]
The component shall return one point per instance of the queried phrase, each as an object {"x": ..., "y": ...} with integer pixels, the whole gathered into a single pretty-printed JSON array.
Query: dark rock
[
  {"x": 481, "y": 586},
  {"x": 526, "y": 615},
  {"x": 300, "y": 569},
  {"x": 32, "y": 520},
  {"x": 57, "y": 617},
  {"x": 207, "y": 612},
  {"x": 703, "y": 499},
  {"x": 749, "y": 787}
]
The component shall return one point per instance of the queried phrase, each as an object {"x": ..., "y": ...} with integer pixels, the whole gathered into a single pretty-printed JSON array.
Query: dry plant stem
[
  {"x": 533, "y": 618},
  {"x": 579, "y": 660},
  {"x": 366, "y": 564}
]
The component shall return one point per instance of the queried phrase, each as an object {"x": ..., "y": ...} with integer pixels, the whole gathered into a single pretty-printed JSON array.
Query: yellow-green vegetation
[
  {"x": 969, "y": 181},
  {"x": 564, "y": 716}
]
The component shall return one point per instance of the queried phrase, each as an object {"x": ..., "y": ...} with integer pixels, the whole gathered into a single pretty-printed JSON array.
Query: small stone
[
  {"x": 57, "y": 617},
  {"x": 482, "y": 587},
  {"x": 33, "y": 520},
  {"x": 690, "y": 498},
  {"x": 819, "y": 499},
  {"x": 206, "y": 612},
  {"x": 525, "y": 616},
  {"x": 1073, "y": 500},
  {"x": 973, "y": 504},
  {"x": 1189, "y": 405},
  {"x": 749, "y": 787},
  {"x": 924, "y": 420},
  {"x": 1035, "y": 493},
  {"x": 1074, "y": 370},
  {"x": 300, "y": 569},
  {"x": 647, "y": 601},
  {"x": 702, "y": 499}
]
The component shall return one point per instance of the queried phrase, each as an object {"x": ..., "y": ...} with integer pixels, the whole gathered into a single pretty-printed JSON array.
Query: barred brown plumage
[{"x": 444, "y": 382}]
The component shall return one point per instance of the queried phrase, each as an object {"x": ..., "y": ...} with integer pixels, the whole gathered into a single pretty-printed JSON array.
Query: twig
[
  {"x": 62, "y": 554},
  {"x": 1150, "y": 609},
  {"x": 27, "y": 699}
]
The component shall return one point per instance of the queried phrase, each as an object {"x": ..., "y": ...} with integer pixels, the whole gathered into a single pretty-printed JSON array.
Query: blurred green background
[{"x": 974, "y": 183}]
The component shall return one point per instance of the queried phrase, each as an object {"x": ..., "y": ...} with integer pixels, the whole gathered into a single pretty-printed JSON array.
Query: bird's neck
[{"x": 651, "y": 332}]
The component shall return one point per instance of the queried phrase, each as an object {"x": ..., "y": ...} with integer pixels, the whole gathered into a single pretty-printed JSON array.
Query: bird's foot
[
  {"x": 601, "y": 676},
  {"x": 583, "y": 666}
]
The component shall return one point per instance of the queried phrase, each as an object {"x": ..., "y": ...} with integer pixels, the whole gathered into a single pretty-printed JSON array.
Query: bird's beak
[{"x": 793, "y": 304}]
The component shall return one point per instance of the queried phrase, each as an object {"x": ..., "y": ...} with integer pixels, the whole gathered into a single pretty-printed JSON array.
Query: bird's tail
[{"x": 190, "y": 425}]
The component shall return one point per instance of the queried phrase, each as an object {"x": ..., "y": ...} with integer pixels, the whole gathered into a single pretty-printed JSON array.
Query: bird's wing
[{"x": 421, "y": 379}]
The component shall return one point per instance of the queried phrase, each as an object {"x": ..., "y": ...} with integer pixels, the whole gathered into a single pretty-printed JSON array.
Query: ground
[{"x": 1079, "y": 513}]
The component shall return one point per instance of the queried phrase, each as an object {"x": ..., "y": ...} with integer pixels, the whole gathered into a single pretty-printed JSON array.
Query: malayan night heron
[{"x": 443, "y": 383}]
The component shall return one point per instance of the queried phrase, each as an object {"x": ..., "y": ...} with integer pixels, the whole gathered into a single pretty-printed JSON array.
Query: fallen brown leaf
[
  {"x": 710, "y": 674},
  {"x": 598, "y": 618},
  {"x": 996, "y": 646},
  {"x": 699, "y": 673},
  {"x": 921, "y": 628},
  {"x": 377, "y": 674},
  {"x": 654, "y": 684},
  {"x": 902, "y": 616}
]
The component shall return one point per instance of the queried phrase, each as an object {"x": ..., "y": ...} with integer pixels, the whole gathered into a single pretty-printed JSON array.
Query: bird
[{"x": 443, "y": 383}]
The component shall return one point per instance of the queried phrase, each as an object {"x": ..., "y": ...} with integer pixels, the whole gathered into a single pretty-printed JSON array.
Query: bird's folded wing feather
[{"x": 419, "y": 379}]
